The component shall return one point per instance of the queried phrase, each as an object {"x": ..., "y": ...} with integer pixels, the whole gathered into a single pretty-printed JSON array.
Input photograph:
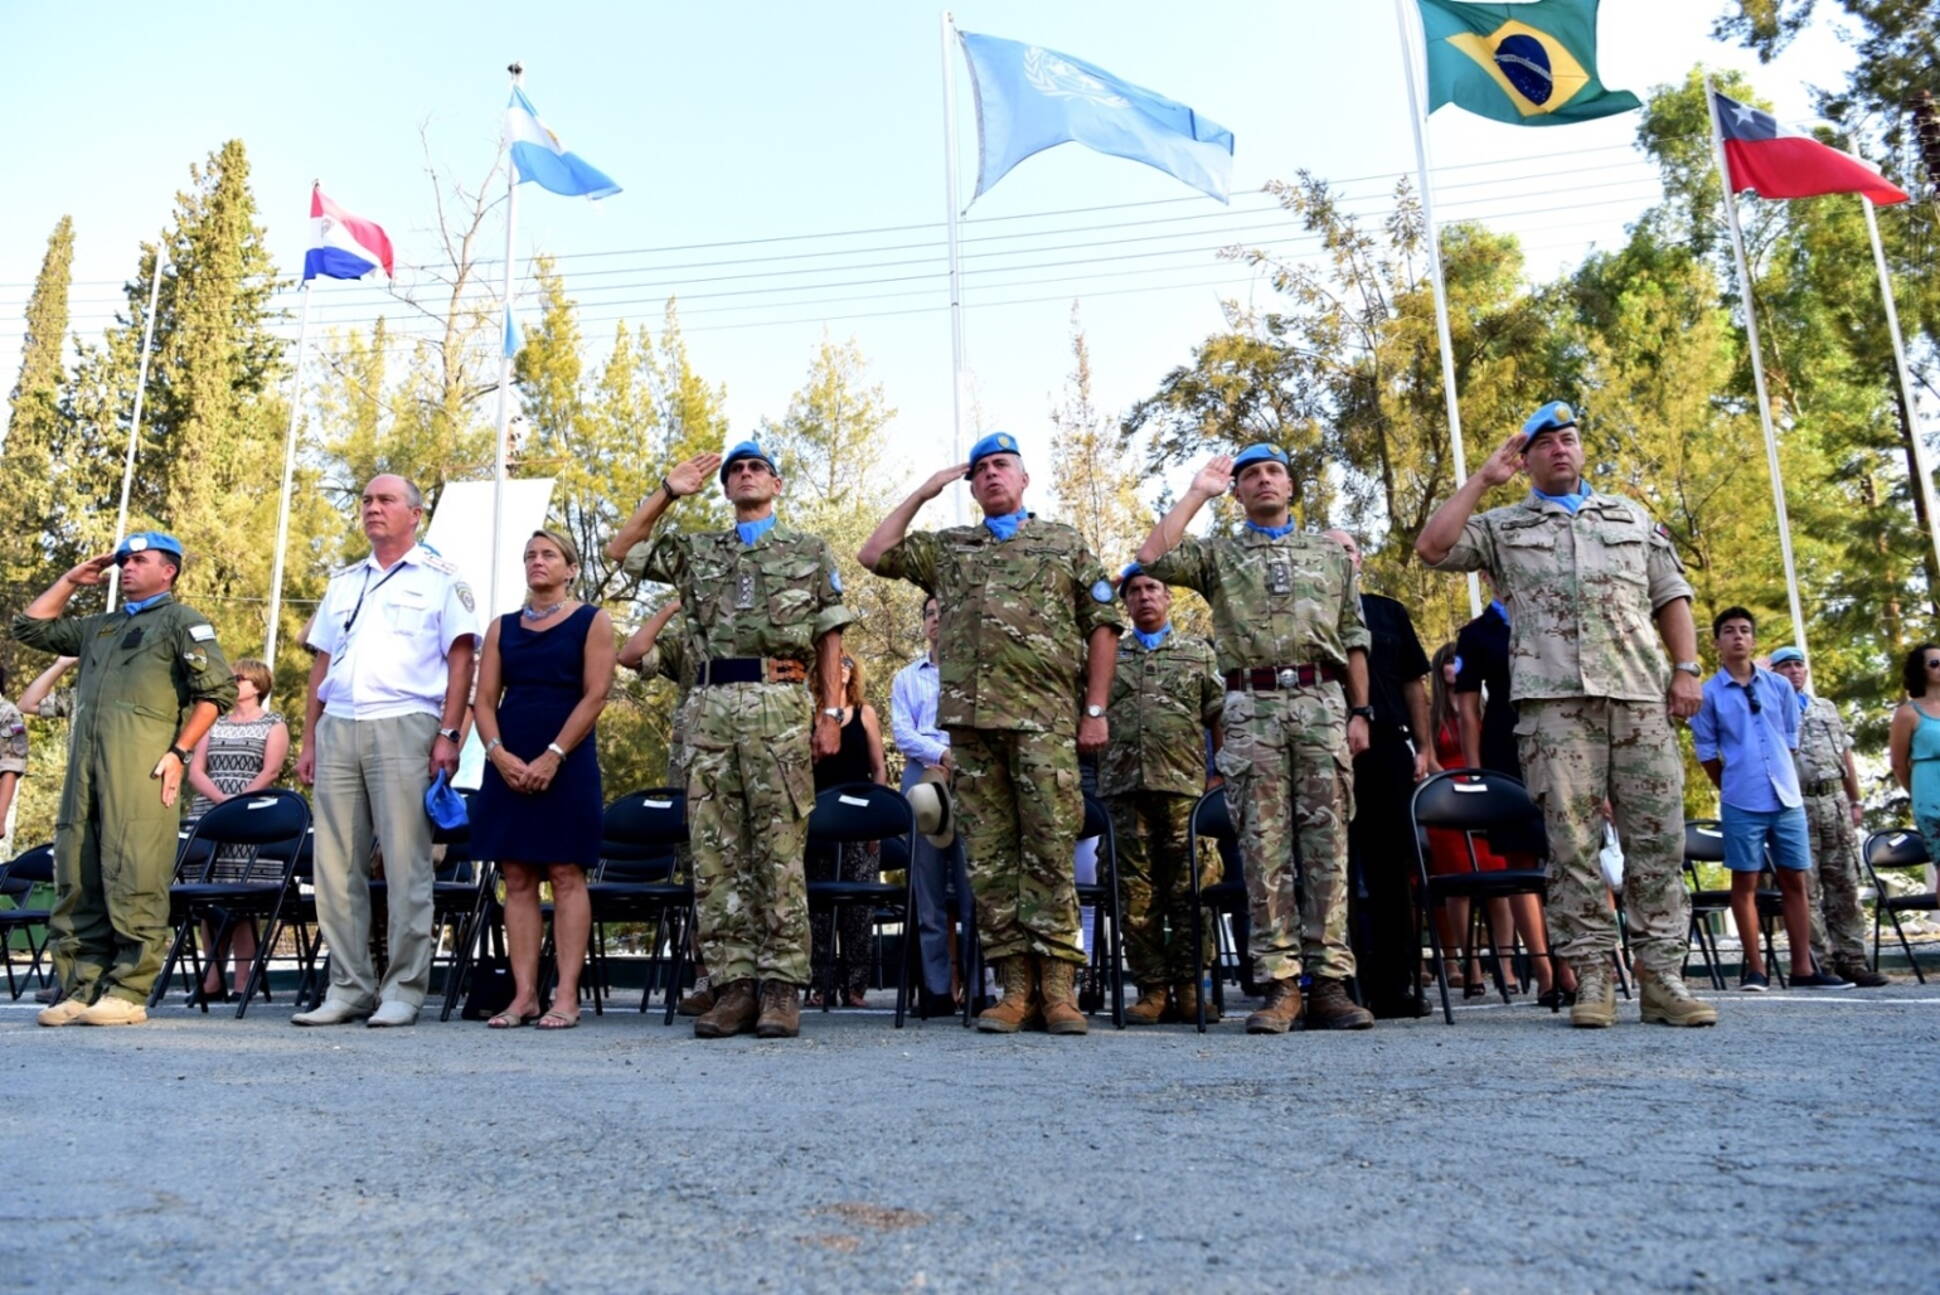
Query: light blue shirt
[
  {"x": 1759, "y": 774},
  {"x": 912, "y": 713}
]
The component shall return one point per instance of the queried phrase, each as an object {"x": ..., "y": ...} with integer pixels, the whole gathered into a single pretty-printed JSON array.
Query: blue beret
[
  {"x": 1552, "y": 417},
  {"x": 1258, "y": 453},
  {"x": 1125, "y": 576},
  {"x": 995, "y": 443},
  {"x": 1788, "y": 653},
  {"x": 153, "y": 541},
  {"x": 747, "y": 450}
]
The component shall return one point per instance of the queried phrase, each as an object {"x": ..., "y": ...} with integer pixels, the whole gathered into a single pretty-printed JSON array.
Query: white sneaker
[
  {"x": 393, "y": 1014},
  {"x": 331, "y": 1012}
]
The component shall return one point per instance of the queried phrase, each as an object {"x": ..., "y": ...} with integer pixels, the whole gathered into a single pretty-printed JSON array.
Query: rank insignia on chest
[
  {"x": 1279, "y": 578},
  {"x": 744, "y": 591}
]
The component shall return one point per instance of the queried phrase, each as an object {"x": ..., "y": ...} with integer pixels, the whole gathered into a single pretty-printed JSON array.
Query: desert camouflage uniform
[
  {"x": 1289, "y": 601},
  {"x": 750, "y": 787},
  {"x": 1163, "y": 700},
  {"x": 13, "y": 759},
  {"x": 1838, "y": 922},
  {"x": 1590, "y": 685},
  {"x": 1017, "y": 615}
]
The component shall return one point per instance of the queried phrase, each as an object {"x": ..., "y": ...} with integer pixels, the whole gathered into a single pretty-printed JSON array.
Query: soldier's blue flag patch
[
  {"x": 835, "y": 580},
  {"x": 1101, "y": 592}
]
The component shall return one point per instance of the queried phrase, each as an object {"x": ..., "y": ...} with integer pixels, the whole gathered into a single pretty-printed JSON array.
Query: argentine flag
[
  {"x": 343, "y": 246},
  {"x": 1030, "y": 98},
  {"x": 539, "y": 155}
]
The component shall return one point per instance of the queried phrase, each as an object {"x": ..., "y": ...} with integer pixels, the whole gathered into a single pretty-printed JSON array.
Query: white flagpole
[
  {"x": 1923, "y": 466},
  {"x": 956, "y": 267},
  {"x": 289, "y": 474},
  {"x": 134, "y": 422},
  {"x": 1758, "y": 374},
  {"x": 504, "y": 371},
  {"x": 1449, "y": 393}
]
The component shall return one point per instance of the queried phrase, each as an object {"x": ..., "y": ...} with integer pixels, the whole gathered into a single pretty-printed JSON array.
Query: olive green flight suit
[{"x": 137, "y": 680}]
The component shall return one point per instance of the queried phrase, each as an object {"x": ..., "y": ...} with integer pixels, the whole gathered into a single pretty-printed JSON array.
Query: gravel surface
[{"x": 1508, "y": 1153}]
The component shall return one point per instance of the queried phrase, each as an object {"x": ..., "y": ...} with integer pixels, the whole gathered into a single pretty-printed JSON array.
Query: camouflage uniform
[
  {"x": 1163, "y": 700},
  {"x": 13, "y": 759},
  {"x": 1017, "y": 615},
  {"x": 750, "y": 786},
  {"x": 1838, "y": 922},
  {"x": 672, "y": 658},
  {"x": 1589, "y": 682},
  {"x": 1290, "y": 601}
]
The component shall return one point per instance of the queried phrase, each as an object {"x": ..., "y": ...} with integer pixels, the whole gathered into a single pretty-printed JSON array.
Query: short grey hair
[{"x": 412, "y": 495}]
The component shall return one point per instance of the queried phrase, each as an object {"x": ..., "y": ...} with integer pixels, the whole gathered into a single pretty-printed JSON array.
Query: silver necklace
[{"x": 540, "y": 613}]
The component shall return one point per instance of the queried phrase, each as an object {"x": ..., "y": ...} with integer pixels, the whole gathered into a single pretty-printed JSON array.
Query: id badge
[
  {"x": 1279, "y": 578},
  {"x": 744, "y": 592}
]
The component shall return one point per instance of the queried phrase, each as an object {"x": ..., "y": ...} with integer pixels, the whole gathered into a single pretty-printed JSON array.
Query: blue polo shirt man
[{"x": 1746, "y": 730}]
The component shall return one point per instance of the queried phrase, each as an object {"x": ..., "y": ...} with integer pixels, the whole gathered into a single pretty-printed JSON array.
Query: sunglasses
[
  {"x": 847, "y": 664},
  {"x": 1752, "y": 699}
]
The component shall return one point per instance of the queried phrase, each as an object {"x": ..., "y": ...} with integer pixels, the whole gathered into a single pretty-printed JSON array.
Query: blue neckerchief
[
  {"x": 752, "y": 531},
  {"x": 1156, "y": 637},
  {"x": 1496, "y": 605},
  {"x": 1271, "y": 532},
  {"x": 1805, "y": 703},
  {"x": 1006, "y": 526},
  {"x": 143, "y": 604},
  {"x": 1570, "y": 502}
]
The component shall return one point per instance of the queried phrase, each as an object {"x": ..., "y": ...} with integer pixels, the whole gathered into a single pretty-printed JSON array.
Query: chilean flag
[
  {"x": 1776, "y": 161},
  {"x": 343, "y": 246}
]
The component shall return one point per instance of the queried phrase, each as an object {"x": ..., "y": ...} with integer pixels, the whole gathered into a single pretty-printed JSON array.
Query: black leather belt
[
  {"x": 1268, "y": 678},
  {"x": 750, "y": 669}
]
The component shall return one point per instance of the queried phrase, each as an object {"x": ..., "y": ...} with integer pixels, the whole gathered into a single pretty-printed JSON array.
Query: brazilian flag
[{"x": 1526, "y": 64}]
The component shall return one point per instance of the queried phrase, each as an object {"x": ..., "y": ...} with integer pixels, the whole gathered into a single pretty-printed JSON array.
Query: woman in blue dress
[{"x": 542, "y": 681}]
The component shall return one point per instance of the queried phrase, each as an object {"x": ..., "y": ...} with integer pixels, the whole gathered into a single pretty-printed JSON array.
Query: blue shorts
[{"x": 1749, "y": 832}]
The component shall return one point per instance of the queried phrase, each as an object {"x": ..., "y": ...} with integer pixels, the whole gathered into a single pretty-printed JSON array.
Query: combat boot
[
  {"x": 1018, "y": 1007},
  {"x": 1856, "y": 970},
  {"x": 699, "y": 1002},
  {"x": 1150, "y": 1007},
  {"x": 1666, "y": 1000},
  {"x": 781, "y": 1011},
  {"x": 1057, "y": 981},
  {"x": 1281, "y": 1008},
  {"x": 1596, "y": 997},
  {"x": 109, "y": 1010},
  {"x": 65, "y": 1012},
  {"x": 1329, "y": 1007},
  {"x": 733, "y": 1012},
  {"x": 1185, "y": 1005}
]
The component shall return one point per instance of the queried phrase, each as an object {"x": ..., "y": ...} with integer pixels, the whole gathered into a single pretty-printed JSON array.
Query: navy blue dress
[{"x": 544, "y": 675}]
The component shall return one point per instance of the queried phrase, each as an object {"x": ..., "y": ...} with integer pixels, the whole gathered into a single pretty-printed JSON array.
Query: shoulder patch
[
  {"x": 465, "y": 596},
  {"x": 1101, "y": 591},
  {"x": 202, "y": 633},
  {"x": 1662, "y": 531},
  {"x": 835, "y": 580}
]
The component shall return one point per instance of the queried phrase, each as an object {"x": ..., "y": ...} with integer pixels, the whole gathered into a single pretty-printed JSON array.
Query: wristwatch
[
  {"x": 180, "y": 754},
  {"x": 1095, "y": 712},
  {"x": 1365, "y": 712},
  {"x": 450, "y": 734},
  {"x": 833, "y": 712},
  {"x": 1691, "y": 668}
]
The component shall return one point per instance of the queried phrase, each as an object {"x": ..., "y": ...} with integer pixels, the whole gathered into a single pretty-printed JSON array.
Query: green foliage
[{"x": 33, "y": 428}]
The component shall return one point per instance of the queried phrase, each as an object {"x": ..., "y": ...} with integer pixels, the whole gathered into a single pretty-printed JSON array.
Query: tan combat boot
[
  {"x": 733, "y": 1012},
  {"x": 1281, "y": 1008},
  {"x": 1018, "y": 1007},
  {"x": 699, "y": 1002},
  {"x": 1150, "y": 1007},
  {"x": 1329, "y": 1007},
  {"x": 1596, "y": 997},
  {"x": 1666, "y": 1000},
  {"x": 1058, "y": 984},
  {"x": 109, "y": 1010},
  {"x": 781, "y": 1011},
  {"x": 65, "y": 1012},
  {"x": 1185, "y": 1005}
]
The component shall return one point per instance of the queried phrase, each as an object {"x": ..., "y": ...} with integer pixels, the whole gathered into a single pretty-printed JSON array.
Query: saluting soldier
[
  {"x": 1165, "y": 697},
  {"x": 1588, "y": 573},
  {"x": 763, "y": 604},
  {"x": 149, "y": 683},
  {"x": 1292, "y": 648},
  {"x": 1029, "y": 623}
]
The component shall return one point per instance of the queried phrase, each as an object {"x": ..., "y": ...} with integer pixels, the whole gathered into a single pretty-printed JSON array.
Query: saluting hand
[
  {"x": 940, "y": 479},
  {"x": 690, "y": 477},
  {"x": 1213, "y": 480},
  {"x": 169, "y": 771},
  {"x": 91, "y": 572},
  {"x": 1501, "y": 467}
]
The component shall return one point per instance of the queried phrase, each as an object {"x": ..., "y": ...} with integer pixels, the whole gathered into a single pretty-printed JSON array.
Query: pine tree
[{"x": 33, "y": 427}]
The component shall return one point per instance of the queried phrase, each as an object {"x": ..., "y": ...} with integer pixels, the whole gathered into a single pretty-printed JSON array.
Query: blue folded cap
[
  {"x": 1552, "y": 417},
  {"x": 1788, "y": 653},
  {"x": 148, "y": 541},
  {"x": 1259, "y": 453},
  {"x": 443, "y": 805},
  {"x": 995, "y": 443},
  {"x": 747, "y": 450}
]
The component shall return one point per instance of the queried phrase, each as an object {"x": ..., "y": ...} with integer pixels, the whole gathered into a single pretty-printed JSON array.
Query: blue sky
[{"x": 729, "y": 122}]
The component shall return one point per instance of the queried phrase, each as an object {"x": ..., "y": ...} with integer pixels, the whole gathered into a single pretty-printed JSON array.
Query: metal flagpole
[
  {"x": 504, "y": 369},
  {"x": 1758, "y": 373},
  {"x": 956, "y": 267},
  {"x": 1449, "y": 393},
  {"x": 1923, "y": 466},
  {"x": 289, "y": 474},
  {"x": 134, "y": 422}
]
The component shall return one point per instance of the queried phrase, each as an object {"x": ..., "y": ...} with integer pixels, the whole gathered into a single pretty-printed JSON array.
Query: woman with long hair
[
  {"x": 858, "y": 759},
  {"x": 1913, "y": 743}
]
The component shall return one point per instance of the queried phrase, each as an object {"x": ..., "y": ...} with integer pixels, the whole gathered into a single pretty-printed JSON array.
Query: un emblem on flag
[{"x": 1061, "y": 79}]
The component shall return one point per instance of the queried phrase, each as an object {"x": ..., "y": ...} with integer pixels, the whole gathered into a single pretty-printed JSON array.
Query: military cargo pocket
[
  {"x": 791, "y": 589},
  {"x": 795, "y": 771}
]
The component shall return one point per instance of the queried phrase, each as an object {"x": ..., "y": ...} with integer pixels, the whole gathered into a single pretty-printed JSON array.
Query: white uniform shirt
[{"x": 387, "y": 633}]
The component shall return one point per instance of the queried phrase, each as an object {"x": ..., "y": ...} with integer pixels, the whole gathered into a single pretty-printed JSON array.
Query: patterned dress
[{"x": 236, "y": 751}]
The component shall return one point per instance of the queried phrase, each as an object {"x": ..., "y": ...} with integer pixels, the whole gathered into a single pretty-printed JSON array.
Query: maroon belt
[{"x": 1267, "y": 678}]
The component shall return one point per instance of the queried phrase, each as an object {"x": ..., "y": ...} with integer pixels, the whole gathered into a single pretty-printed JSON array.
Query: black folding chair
[
  {"x": 1704, "y": 843},
  {"x": 1470, "y": 801},
  {"x": 635, "y": 882},
  {"x": 1212, "y": 817},
  {"x": 18, "y": 877},
  {"x": 1107, "y": 955},
  {"x": 461, "y": 896},
  {"x": 1900, "y": 849},
  {"x": 262, "y": 822},
  {"x": 867, "y": 812}
]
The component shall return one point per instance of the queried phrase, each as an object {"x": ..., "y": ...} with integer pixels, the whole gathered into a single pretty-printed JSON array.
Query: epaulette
[
  {"x": 345, "y": 569},
  {"x": 442, "y": 564}
]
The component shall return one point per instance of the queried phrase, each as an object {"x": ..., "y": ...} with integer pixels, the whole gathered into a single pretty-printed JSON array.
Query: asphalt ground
[{"x": 1793, "y": 1147}]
